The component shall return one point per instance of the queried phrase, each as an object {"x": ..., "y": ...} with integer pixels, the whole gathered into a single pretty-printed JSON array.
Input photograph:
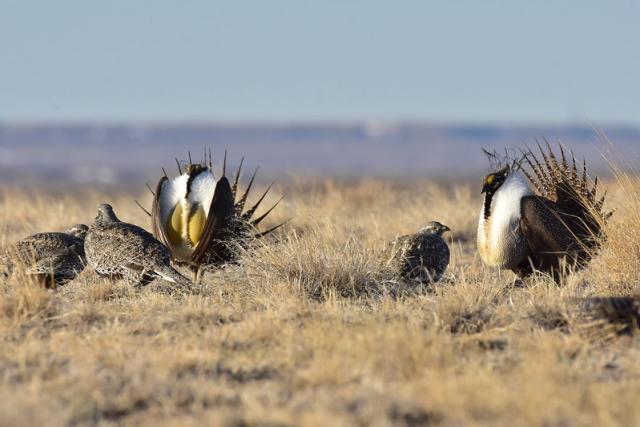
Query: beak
[{"x": 445, "y": 228}]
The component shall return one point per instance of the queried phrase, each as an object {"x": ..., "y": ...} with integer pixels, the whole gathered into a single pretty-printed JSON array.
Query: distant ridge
[{"x": 118, "y": 153}]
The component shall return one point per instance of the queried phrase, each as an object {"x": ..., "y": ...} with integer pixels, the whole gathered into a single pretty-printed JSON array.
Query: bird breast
[
  {"x": 184, "y": 202},
  {"x": 500, "y": 241},
  {"x": 186, "y": 223}
]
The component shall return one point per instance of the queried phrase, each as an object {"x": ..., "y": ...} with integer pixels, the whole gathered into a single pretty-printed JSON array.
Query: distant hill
[{"x": 119, "y": 153}]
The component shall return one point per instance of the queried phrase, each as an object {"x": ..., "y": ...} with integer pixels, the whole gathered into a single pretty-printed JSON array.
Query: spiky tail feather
[
  {"x": 550, "y": 175},
  {"x": 239, "y": 203},
  {"x": 569, "y": 186},
  {"x": 244, "y": 224}
]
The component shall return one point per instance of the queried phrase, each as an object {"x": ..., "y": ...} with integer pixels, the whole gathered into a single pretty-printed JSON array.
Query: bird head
[
  {"x": 106, "y": 214},
  {"x": 434, "y": 227},
  {"x": 78, "y": 230},
  {"x": 195, "y": 168},
  {"x": 494, "y": 180}
]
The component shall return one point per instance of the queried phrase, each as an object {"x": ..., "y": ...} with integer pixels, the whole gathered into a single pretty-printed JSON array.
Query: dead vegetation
[{"x": 314, "y": 328}]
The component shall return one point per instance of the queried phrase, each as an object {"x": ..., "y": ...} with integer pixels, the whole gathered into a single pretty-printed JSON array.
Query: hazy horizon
[
  {"x": 342, "y": 88},
  {"x": 127, "y": 153}
]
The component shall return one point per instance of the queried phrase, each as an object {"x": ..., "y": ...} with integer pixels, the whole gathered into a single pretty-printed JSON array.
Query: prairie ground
[{"x": 314, "y": 328}]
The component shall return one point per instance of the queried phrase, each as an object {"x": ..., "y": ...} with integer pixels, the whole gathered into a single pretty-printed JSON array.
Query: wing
[
  {"x": 45, "y": 266},
  {"x": 569, "y": 186},
  {"x": 217, "y": 230},
  {"x": 431, "y": 252},
  {"x": 63, "y": 267},
  {"x": 116, "y": 244},
  {"x": 33, "y": 247},
  {"x": 156, "y": 226},
  {"x": 548, "y": 237}
]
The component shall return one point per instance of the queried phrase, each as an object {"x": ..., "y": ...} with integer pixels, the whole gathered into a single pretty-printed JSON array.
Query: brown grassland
[{"x": 313, "y": 328}]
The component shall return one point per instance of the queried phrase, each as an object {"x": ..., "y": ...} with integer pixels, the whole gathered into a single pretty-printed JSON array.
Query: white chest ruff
[
  {"x": 177, "y": 207},
  {"x": 500, "y": 241}
]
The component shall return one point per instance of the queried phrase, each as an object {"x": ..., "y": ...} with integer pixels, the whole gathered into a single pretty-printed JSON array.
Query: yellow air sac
[
  {"x": 174, "y": 225},
  {"x": 197, "y": 221}
]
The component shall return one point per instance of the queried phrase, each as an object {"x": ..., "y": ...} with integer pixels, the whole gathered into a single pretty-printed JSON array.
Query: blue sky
[{"x": 295, "y": 60}]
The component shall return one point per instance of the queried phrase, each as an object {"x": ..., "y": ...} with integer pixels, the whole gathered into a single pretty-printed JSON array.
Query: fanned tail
[
  {"x": 240, "y": 229},
  {"x": 561, "y": 180},
  {"x": 245, "y": 220},
  {"x": 239, "y": 205}
]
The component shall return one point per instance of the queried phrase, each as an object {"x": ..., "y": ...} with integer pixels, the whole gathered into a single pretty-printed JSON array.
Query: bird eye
[{"x": 490, "y": 179}]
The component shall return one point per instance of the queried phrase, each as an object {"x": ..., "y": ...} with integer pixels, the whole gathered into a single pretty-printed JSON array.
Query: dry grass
[{"x": 311, "y": 329}]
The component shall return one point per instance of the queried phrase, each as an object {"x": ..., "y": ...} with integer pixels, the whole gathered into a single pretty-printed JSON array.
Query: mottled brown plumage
[
  {"x": 424, "y": 256},
  {"x": 53, "y": 258},
  {"x": 120, "y": 250}
]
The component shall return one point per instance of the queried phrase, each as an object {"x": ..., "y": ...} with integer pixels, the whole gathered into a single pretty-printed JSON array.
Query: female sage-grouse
[
  {"x": 424, "y": 256},
  {"x": 120, "y": 250},
  {"x": 543, "y": 217},
  {"x": 53, "y": 258}
]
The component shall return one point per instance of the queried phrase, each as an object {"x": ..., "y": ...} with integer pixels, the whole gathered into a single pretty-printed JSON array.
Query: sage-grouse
[
  {"x": 202, "y": 219},
  {"x": 424, "y": 256},
  {"x": 53, "y": 258},
  {"x": 544, "y": 217},
  {"x": 120, "y": 250}
]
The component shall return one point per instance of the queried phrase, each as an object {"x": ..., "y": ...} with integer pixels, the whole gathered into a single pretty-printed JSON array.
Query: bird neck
[
  {"x": 511, "y": 191},
  {"x": 108, "y": 217},
  {"x": 486, "y": 209}
]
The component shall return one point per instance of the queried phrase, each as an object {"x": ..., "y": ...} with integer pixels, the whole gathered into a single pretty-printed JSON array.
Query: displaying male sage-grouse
[
  {"x": 424, "y": 256},
  {"x": 120, "y": 250},
  {"x": 200, "y": 219},
  {"x": 540, "y": 215},
  {"x": 53, "y": 258}
]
